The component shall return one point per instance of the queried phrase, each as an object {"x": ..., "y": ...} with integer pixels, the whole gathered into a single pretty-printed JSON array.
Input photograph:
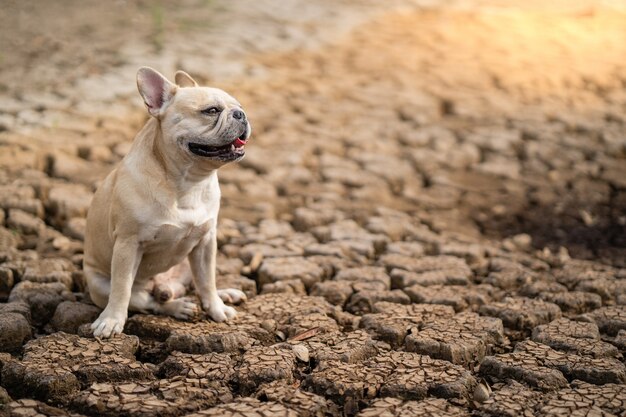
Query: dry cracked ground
[{"x": 430, "y": 220}]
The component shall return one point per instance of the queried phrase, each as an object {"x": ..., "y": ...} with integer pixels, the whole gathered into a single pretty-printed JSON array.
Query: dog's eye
[{"x": 211, "y": 110}]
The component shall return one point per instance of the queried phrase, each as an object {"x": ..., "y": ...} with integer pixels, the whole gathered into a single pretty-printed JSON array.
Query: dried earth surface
[{"x": 430, "y": 219}]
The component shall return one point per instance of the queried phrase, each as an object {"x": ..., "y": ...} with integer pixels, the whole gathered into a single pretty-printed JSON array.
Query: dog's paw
[
  {"x": 108, "y": 325},
  {"x": 232, "y": 296},
  {"x": 219, "y": 312},
  {"x": 181, "y": 308}
]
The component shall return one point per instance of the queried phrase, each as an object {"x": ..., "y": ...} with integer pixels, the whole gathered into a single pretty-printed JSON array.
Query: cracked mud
[{"x": 430, "y": 218}]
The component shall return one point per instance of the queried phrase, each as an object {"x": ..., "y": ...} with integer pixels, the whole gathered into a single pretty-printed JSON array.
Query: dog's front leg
[
  {"x": 202, "y": 261},
  {"x": 124, "y": 264}
]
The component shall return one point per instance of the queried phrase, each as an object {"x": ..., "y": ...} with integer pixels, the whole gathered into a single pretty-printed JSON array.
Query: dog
[{"x": 152, "y": 223}]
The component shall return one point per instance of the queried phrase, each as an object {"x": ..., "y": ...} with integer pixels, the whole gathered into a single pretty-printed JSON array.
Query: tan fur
[{"x": 158, "y": 209}]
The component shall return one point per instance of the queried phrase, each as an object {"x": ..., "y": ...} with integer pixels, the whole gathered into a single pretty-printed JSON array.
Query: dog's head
[{"x": 199, "y": 123}]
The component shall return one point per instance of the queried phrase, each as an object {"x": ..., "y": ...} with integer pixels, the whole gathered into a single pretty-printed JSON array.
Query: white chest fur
[{"x": 177, "y": 226}]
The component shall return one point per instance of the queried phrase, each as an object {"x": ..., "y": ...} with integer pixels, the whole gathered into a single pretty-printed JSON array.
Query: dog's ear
[
  {"x": 155, "y": 89},
  {"x": 184, "y": 80}
]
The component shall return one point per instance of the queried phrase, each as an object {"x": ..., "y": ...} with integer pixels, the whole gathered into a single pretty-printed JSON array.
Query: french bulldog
[{"x": 152, "y": 223}]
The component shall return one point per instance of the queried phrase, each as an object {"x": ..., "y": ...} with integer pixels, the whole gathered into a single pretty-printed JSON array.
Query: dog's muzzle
[{"x": 229, "y": 152}]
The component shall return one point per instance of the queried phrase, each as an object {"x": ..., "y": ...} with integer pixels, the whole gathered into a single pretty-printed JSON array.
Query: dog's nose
[{"x": 239, "y": 115}]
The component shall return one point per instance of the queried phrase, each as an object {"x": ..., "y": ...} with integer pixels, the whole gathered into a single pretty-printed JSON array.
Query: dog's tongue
[{"x": 238, "y": 143}]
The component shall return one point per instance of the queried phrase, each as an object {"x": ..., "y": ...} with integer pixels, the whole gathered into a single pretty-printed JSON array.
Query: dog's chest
[{"x": 180, "y": 230}]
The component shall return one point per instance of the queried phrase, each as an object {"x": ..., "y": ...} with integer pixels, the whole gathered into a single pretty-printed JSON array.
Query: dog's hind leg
[
  {"x": 173, "y": 283},
  {"x": 232, "y": 295},
  {"x": 143, "y": 301},
  {"x": 99, "y": 287}
]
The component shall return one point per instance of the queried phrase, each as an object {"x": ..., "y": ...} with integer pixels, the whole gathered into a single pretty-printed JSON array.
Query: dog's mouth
[{"x": 231, "y": 151}]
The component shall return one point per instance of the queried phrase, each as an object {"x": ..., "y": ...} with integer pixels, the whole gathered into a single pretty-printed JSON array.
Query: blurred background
[{"x": 482, "y": 120}]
